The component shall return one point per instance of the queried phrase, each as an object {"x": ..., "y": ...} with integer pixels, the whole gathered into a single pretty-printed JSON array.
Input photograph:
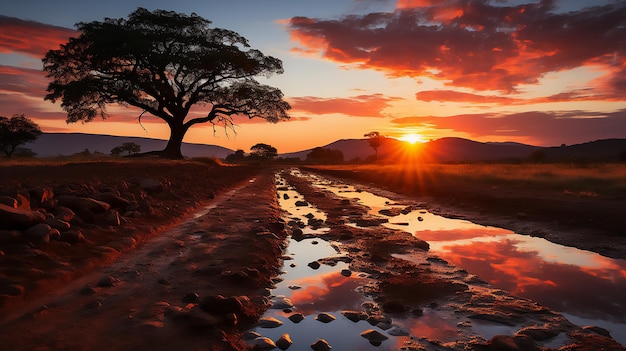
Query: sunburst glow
[{"x": 412, "y": 138}]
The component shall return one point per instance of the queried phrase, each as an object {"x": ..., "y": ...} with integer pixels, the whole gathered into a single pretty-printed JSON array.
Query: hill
[
  {"x": 464, "y": 150},
  {"x": 65, "y": 144}
]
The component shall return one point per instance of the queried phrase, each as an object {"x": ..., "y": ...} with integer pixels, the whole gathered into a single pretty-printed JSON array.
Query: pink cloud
[
  {"x": 31, "y": 38},
  {"x": 472, "y": 44},
  {"x": 361, "y": 105}
]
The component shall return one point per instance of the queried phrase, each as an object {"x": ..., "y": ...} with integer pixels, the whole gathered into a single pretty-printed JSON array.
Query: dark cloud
[
  {"x": 362, "y": 105},
  {"x": 31, "y": 38},
  {"x": 473, "y": 44},
  {"x": 540, "y": 128}
]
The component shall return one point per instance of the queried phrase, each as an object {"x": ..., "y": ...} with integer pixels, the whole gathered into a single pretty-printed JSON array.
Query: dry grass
[{"x": 585, "y": 180}]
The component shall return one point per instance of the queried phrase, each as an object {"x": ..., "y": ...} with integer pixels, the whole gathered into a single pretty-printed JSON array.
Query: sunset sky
[{"x": 537, "y": 72}]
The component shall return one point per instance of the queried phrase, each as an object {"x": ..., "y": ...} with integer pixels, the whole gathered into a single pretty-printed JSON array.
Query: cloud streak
[
  {"x": 361, "y": 105},
  {"x": 473, "y": 44},
  {"x": 31, "y": 38}
]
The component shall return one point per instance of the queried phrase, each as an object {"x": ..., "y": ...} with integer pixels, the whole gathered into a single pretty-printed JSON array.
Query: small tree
[
  {"x": 322, "y": 155},
  {"x": 164, "y": 63},
  {"x": 129, "y": 147},
  {"x": 238, "y": 156},
  {"x": 375, "y": 139},
  {"x": 16, "y": 131},
  {"x": 263, "y": 151}
]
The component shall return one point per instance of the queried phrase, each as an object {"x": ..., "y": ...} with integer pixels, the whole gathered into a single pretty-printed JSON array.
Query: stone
[
  {"x": 512, "y": 343},
  {"x": 373, "y": 336},
  {"x": 221, "y": 305},
  {"x": 269, "y": 322},
  {"x": 325, "y": 317},
  {"x": 15, "y": 218},
  {"x": 72, "y": 236},
  {"x": 58, "y": 224},
  {"x": 39, "y": 233},
  {"x": 296, "y": 317},
  {"x": 191, "y": 298},
  {"x": 354, "y": 316},
  {"x": 9, "y": 201},
  {"x": 9, "y": 236},
  {"x": 321, "y": 345},
  {"x": 151, "y": 185},
  {"x": 284, "y": 342},
  {"x": 112, "y": 199},
  {"x": 398, "y": 331},
  {"x": 346, "y": 272},
  {"x": 63, "y": 213},
  {"x": 41, "y": 197},
  {"x": 281, "y": 302},
  {"x": 301, "y": 203},
  {"x": 262, "y": 343},
  {"x": 314, "y": 265},
  {"x": 78, "y": 203}
]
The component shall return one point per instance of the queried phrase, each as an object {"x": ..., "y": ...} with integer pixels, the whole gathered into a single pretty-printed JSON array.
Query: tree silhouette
[
  {"x": 129, "y": 147},
  {"x": 165, "y": 63},
  {"x": 374, "y": 139},
  {"x": 322, "y": 155},
  {"x": 263, "y": 151},
  {"x": 16, "y": 131}
]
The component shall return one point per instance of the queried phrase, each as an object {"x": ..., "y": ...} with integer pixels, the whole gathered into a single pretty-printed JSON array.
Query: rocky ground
[{"x": 143, "y": 274}]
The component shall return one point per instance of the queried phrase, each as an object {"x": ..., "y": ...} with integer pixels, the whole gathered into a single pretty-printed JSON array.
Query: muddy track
[{"x": 203, "y": 284}]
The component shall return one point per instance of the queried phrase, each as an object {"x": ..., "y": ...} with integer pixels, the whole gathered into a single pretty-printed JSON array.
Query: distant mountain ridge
[
  {"x": 451, "y": 149},
  {"x": 447, "y": 149},
  {"x": 65, "y": 144}
]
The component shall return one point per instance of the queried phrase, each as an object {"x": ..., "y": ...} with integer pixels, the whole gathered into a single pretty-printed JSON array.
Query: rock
[
  {"x": 72, "y": 236},
  {"x": 512, "y": 343},
  {"x": 397, "y": 331},
  {"x": 191, "y": 298},
  {"x": 284, "y": 342},
  {"x": 314, "y": 265},
  {"x": 9, "y": 236},
  {"x": 9, "y": 201},
  {"x": 301, "y": 203},
  {"x": 321, "y": 345},
  {"x": 151, "y": 186},
  {"x": 346, "y": 272},
  {"x": 78, "y": 203},
  {"x": 59, "y": 224},
  {"x": 39, "y": 233},
  {"x": 269, "y": 322},
  {"x": 112, "y": 199},
  {"x": 285, "y": 196},
  {"x": 63, "y": 213},
  {"x": 250, "y": 335},
  {"x": 41, "y": 197},
  {"x": 110, "y": 218},
  {"x": 262, "y": 343},
  {"x": 221, "y": 305},
  {"x": 296, "y": 317},
  {"x": 107, "y": 281},
  {"x": 354, "y": 316},
  {"x": 281, "y": 302},
  {"x": 325, "y": 317},
  {"x": 15, "y": 218},
  {"x": 373, "y": 336},
  {"x": 200, "y": 320},
  {"x": 395, "y": 307}
]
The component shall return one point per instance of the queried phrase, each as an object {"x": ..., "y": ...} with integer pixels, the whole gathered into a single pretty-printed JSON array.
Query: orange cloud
[
  {"x": 362, "y": 105},
  {"x": 589, "y": 94},
  {"x": 472, "y": 44},
  {"x": 31, "y": 38}
]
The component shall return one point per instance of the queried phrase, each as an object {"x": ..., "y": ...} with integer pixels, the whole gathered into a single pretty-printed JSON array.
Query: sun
[{"x": 412, "y": 138}]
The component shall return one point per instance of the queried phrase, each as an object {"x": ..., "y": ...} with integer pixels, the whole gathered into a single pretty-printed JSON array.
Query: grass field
[{"x": 586, "y": 180}]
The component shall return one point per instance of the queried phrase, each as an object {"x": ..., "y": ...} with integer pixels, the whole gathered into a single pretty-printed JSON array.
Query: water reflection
[{"x": 586, "y": 287}]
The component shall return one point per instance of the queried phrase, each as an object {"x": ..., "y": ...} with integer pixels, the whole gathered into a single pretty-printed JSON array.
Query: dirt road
[{"x": 203, "y": 284}]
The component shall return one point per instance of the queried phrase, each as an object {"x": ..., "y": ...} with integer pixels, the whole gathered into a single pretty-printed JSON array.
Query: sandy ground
[{"x": 198, "y": 282}]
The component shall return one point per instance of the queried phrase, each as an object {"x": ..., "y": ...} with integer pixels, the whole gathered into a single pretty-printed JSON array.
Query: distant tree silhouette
[
  {"x": 129, "y": 147},
  {"x": 16, "y": 131},
  {"x": 164, "y": 63},
  {"x": 375, "y": 139},
  {"x": 322, "y": 155},
  {"x": 238, "y": 156},
  {"x": 263, "y": 151}
]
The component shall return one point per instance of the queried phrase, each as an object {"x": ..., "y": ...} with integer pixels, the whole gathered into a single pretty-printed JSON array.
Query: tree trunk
[{"x": 172, "y": 150}]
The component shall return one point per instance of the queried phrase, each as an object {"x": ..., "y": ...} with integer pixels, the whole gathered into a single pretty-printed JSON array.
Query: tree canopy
[
  {"x": 164, "y": 63},
  {"x": 130, "y": 147},
  {"x": 16, "y": 131},
  {"x": 375, "y": 139},
  {"x": 263, "y": 151}
]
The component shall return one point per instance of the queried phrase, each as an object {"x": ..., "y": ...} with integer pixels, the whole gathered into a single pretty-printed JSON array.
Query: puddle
[{"x": 585, "y": 287}]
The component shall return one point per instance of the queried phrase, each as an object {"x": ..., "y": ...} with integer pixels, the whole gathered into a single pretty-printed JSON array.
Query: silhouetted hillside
[
  {"x": 65, "y": 144},
  {"x": 464, "y": 150}
]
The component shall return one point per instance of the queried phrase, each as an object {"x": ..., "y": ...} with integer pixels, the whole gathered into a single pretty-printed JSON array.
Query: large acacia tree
[{"x": 164, "y": 63}]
